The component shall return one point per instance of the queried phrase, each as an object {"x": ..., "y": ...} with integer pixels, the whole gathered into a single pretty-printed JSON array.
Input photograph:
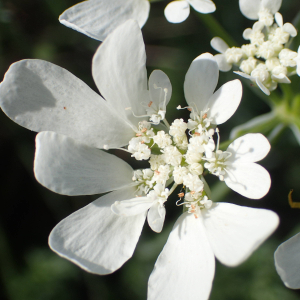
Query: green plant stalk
[{"x": 216, "y": 29}]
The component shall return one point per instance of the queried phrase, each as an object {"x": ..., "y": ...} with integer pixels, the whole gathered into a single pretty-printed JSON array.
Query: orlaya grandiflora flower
[
  {"x": 185, "y": 268},
  {"x": 178, "y": 11},
  {"x": 262, "y": 10},
  {"x": 287, "y": 262},
  {"x": 75, "y": 122},
  {"x": 97, "y": 18}
]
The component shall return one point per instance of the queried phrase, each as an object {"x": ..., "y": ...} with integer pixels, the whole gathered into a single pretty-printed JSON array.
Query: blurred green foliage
[{"x": 28, "y": 268}]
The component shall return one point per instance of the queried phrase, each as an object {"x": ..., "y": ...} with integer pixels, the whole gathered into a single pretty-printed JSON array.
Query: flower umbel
[{"x": 266, "y": 61}]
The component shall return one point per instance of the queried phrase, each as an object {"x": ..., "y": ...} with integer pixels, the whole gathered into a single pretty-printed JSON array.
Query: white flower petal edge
[
  {"x": 156, "y": 217},
  {"x": 219, "y": 44},
  {"x": 225, "y": 101},
  {"x": 251, "y": 147},
  {"x": 97, "y": 19},
  {"x": 41, "y": 96},
  {"x": 95, "y": 238},
  {"x": 235, "y": 232},
  {"x": 248, "y": 179},
  {"x": 69, "y": 167},
  {"x": 203, "y": 6},
  {"x": 254, "y": 80},
  {"x": 243, "y": 175},
  {"x": 177, "y": 11},
  {"x": 287, "y": 262},
  {"x": 250, "y": 9},
  {"x": 201, "y": 80},
  {"x": 185, "y": 268}
]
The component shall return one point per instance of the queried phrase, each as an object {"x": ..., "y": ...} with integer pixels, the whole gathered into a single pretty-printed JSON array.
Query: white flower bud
[{"x": 248, "y": 65}]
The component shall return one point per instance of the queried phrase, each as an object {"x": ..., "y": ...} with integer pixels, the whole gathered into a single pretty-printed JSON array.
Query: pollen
[
  {"x": 144, "y": 130},
  {"x": 180, "y": 195},
  {"x": 150, "y": 103},
  {"x": 204, "y": 116}
]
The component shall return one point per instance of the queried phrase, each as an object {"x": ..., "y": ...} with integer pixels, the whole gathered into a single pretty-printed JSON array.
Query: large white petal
[
  {"x": 248, "y": 179},
  {"x": 225, "y": 101},
  {"x": 250, "y": 147},
  {"x": 201, "y": 80},
  {"x": 203, "y": 6},
  {"x": 287, "y": 262},
  {"x": 119, "y": 70},
  {"x": 234, "y": 232},
  {"x": 177, "y": 11},
  {"x": 69, "y": 167},
  {"x": 219, "y": 44},
  {"x": 185, "y": 267},
  {"x": 156, "y": 217},
  {"x": 95, "y": 238},
  {"x": 160, "y": 88},
  {"x": 132, "y": 207},
  {"x": 272, "y": 5},
  {"x": 44, "y": 97},
  {"x": 250, "y": 9},
  {"x": 97, "y": 19}
]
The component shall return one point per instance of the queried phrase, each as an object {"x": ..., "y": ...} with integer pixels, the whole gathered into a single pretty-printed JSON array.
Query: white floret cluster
[
  {"x": 175, "y": 157},
  {"x": 266, "y": 60}
]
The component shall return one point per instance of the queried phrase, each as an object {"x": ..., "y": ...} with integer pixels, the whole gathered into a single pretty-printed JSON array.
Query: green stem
[
  {"x": 166, "y": 123},
  {"x": 216, "y": 29}
]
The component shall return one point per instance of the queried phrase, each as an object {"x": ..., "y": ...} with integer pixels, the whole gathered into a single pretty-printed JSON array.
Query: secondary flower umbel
[{"x": 266, "y": 61}]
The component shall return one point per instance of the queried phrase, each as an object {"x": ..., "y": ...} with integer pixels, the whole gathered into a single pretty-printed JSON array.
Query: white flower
[
  {"x": 162, "y": 139},
  {"x": 193, "y": 182},
  {"x": 178, "y": 128},
  {"x": 219, "y": 45},
  {"x": 178, "y": 173},
  {"x": 262, "y": 10},
  {"x": 200, "y": 82},
  {"x": 288, "y": 58},
  {"x": 97, "y": 18},
  {"x": 185, "y": 268},
  {"x": 255, "y": 34},
  {"x": 287, "y": 262},
  {"x": 237, "y": 167},
  {"x": 259, "y": 74},
  {"x": 177, "y": 11},
  {"x": 284, "y": 31},
  {"x": 172, "y": 156}
]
